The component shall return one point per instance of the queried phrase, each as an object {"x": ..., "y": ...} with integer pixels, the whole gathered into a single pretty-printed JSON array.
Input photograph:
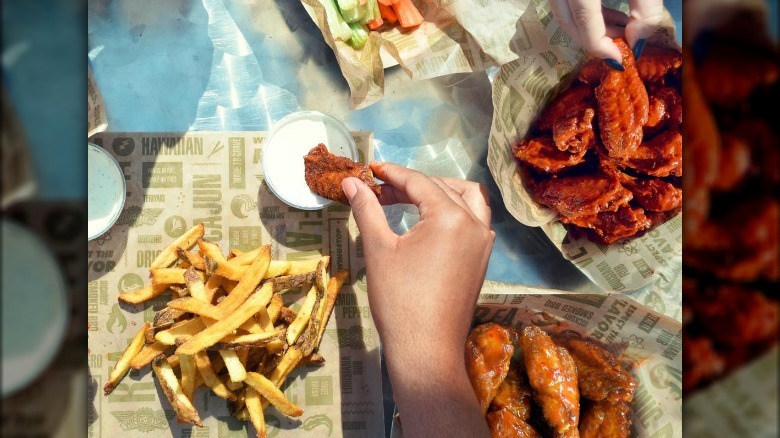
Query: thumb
[{"x": 368, "y": 212}]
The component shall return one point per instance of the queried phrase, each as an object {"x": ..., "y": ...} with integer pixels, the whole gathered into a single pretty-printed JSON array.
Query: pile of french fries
[{"x": 226, "y": 326}]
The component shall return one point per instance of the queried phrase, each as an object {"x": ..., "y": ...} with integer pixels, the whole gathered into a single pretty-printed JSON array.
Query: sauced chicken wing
[
  {"x": 606, "y": 420},
  {"x": 665, "y": 110},
  {"x": 489, "y": 349},
  {"x": 553, "y": 376},
  {"x": 610, "y": 226},
  {"x": 504, "y": 424},
  {"x": 541, "y": 154},
  {"x": 622, "y": 104},
  {"x": 587, "y": 195},
  {"x": 653, "y": 194},
  {"x": 600, "y": 375},
  {"x": 325, "y": 171},
  {"x": 514, "y": 394},
  {"x": 656, "y": 62},
  {"x": 659, "y": 156},
  {"x": 574, "y": 100},
  {"x": 591, "y": 71},
  {"x": 575, "y": 132}
]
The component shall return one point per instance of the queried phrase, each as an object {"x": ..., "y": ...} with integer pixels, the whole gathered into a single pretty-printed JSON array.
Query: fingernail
[
  {"x": 349, "y": 187},
  {"x": 639, "y": 47},
  {"x": 614, "y": 64}
]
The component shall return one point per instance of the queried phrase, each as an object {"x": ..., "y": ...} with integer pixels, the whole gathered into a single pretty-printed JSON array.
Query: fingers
[
  {"x": 368, "y": 212},
  {"x": 592, "y": 31},
  {"x": 646, "y": 16},
  {"x": 474, "y": 195},
  {"x": 410, "y": 185}
]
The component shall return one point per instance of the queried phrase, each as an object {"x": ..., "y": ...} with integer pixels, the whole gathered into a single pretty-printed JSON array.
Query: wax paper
[
  {"x": 521, "y": 90},
  {"x": 175, "y": 180}
]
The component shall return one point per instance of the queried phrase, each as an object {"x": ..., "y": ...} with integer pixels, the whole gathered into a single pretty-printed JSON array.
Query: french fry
[
  {"x": 307, "y": 341},
  {"x": 194, "y": 281},
  {"x": 250, "y": 340},
  {"x": 277, "y": 268},
  {"x": 287, "y": 282},
  {"x": 168, "y": 276},
  {"x": 233, "y": 386},
  {"x": 254, "y": 407},
  {"x": 292, "y": 357},
  {"x": 305, "y": 266},
  {"x": 242, "y": 415},
  {"x": 186, "y": 329},
  {"x": 334, "y": 287},
  {"x": 235, "y": 252},
  {"x": 144, "y": 294},
  {"x": 211, "y": 288},
  {"x": 185, "y": 241},
  {"x": 268, "y": 390},
  {"x": 210, "y": 251},
  {"x": 191, "y": 257},
  {"x": 196, "y": 306},
  {"x": 246, "y": 286},
  {"x": 287, "y": 315},
  {"x": 313, "y": 359},
  {"x": 188, "y": 373},
  {"x": 275, "y": 307},
  {"x": 179, "y": 291},
  {"x": 296, "y": 328},
  {"x": 228, "y": 285},
  {"x": 252, "y": 326},
  {"x": 203, "y": 365},
  {"x": 184, "y": 409},
  {"x": 122, "y": 366},
  {"x": 226, "y": 325},
  {"x": 147, "y": 355},
  {"x": 245, "y": 258},
  {"x": 235, "y": 368}
]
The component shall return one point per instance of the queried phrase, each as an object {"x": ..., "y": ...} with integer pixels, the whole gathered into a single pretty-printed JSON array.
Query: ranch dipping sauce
[
  {"x": 290, "y": 139},
  {"x": 106, "y": 191}
]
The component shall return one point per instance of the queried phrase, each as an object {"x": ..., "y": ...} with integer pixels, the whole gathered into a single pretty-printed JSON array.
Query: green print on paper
[
  {"x": 549, "y": 57},
  {"x": 513, "y": 104},
  {"x": 144, "y": 419},
  {"x": 242, "y": 206},
  {"x": 316, "y": 421},
  {"x": 175, "y": 226},
  {"x": 319, "y": 390},
  {"x": 237, "y": 178},
  {"x": 123, "y": 146},
  {"x": 245, "y": 238},
  {"x": 135, "y": 216},
  {"x": 356, "y": 337},
  {"x": 229, "y": 427},
  {"x": 116, "y": 317},
  {"x": 162, "y": 175},
  {"x": 129, "y": 282}
]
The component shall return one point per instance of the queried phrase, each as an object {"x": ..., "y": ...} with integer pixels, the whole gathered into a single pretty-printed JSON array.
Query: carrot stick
[
  {"x": 387, "y": 13},
  {"x": 408, "y": 15},
  {"x": 374, "y": 24}
]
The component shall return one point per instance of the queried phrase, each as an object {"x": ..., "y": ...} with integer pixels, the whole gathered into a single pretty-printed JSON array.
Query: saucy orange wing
[{"x": 325, "y": 171}]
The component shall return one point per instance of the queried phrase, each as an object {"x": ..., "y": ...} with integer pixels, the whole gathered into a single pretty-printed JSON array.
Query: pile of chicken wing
[
  {"x": 606, "y": 154},
  {"x": 531, "y": 385},
  {"x": 732, "y": 211}
]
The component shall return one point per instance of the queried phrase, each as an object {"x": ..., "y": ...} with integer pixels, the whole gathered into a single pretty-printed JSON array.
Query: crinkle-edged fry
[
  {"x": 185, "y": 241},
  {"x": 191, "y": 257},
  {"x": 144, "y": 294},
  {"x": 267, "y": 389},
  {"x": 122, "y": 366},
  {"x": 246, "y": 286},
  {"x": 226, "y": 325},
  {"x": 147, "y": 355},
  {"x": 186, "y": 329},
  {"x": 188, "y": 373},
  {"x": 184, "y": 409},
  {"x": 334, "y": 287},
  {"x": 235, "y": 368},
  {"x": 196, "y": 306},
  {"x": 296, "y": 328},
  {"x": 254, "y": 407},
  {"x": 203, "y": 364}
]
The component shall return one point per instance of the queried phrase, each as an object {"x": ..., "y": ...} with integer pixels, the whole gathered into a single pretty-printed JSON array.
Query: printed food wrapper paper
[
  {"x": 175, "y": 180},
  {"x": 521, "y": 90},
  {"x": 457, "y": 36},
  {"x": 96, "y": 111},
  {"x": 649, "y": 340}
]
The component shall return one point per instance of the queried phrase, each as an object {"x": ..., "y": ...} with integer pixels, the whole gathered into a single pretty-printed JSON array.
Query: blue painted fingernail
[
  {"x": 614, "y": 64},
  {"x": 639, "y": 47}
]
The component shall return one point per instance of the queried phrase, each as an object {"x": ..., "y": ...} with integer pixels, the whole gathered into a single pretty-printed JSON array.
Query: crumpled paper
[
  {"x": 457, "y": 36},
  {"x": 521, "y": 90}
]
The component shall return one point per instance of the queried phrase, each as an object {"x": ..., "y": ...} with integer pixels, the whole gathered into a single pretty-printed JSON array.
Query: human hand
[
  {"x": 422, "y": 288},
  {"x": 594, "y": 26}
]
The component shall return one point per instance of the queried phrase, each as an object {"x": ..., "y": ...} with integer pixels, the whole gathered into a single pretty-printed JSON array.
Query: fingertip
[{"x": 350, "y": 188}]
